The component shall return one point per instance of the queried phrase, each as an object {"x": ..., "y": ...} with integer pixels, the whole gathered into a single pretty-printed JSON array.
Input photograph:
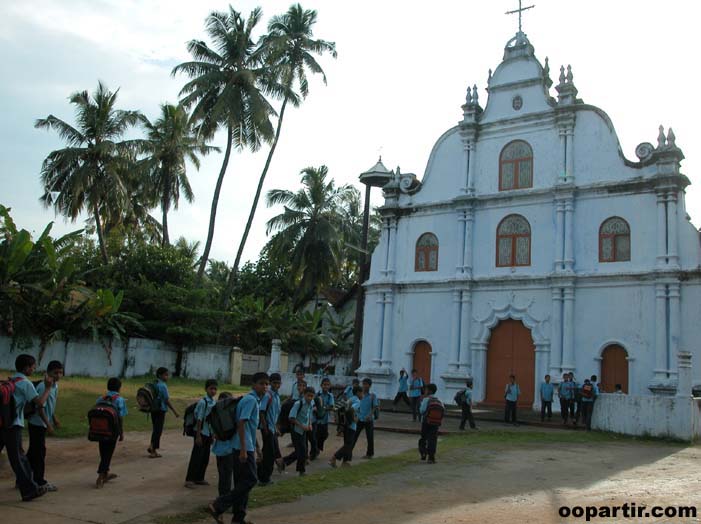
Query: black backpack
[
  {"x": 460, "y": 398},
  {"x": 103, "y": 420},
  {"x": 284, "y": 420},
  {"x": 345, "y": 413},
  {"x": 222, "y": 418},
  {"x": 147, "y": 398},
  {"x": 320, "y": 407},
  {"x": 189, "y": 421}
]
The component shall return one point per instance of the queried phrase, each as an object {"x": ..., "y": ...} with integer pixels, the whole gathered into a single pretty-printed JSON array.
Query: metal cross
[{"x": 519, "y": 11}]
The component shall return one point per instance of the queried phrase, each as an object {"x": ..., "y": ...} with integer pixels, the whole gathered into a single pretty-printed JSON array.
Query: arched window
[
  {"x": 516, "y": 166},
  {"x": 513, "y": 242},
  {"x": 614, "y": 240},
  {"x": 426, "y": 253}
]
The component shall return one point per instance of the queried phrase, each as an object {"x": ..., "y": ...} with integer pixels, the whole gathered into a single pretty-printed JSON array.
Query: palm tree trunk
[
  {"x": 235, "y": 269},
  {"x": 166, "y": 239},
  {"x": 215, "y": 203},
  {"x": 100, "y": 238}
]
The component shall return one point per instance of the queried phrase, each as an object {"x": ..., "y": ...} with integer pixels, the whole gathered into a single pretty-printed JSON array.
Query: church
[{"x": 533, "y": 246}]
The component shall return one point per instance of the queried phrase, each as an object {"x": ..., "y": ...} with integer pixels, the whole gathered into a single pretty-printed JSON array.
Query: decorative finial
[
  {"x": 546, "y": 69},
  {"x": 562, "y": 75},
  {"x": 398, "y": 171},
  {"x": 671, "y": 138},
  {"x": 570, "y": 77},
  {"x": 475, "y": 95},
  {"x": 489, "y": 79},
  {"x": 468, "y": 98},
  {"x": 661, "y": 140}
]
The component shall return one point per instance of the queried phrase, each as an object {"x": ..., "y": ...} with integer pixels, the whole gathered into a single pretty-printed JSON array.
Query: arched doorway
[
  {"x": 422, "y": 360},
  {"x": 614, "y": 368},
  {"x": 511, "y": 351}
]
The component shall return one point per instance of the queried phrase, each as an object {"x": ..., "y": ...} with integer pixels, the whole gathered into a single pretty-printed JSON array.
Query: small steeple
[
  {"x": 566, "y": 90},
  {"x": 546, "y": 74},
  {"x": 661, "y": 139},
  {"x": 475, "y": 96},
  {"x": 671, "y": 138}
]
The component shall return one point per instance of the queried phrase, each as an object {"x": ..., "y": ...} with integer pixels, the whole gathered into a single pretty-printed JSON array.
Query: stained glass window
[
  {"x": 426, "y": 253},
  {"x": 513, "y": 242},
  {"x": 516, "y": 166},
  {"x": 614, "y": 240}
]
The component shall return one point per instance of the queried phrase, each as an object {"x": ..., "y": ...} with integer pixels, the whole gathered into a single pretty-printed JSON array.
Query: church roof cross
[{"x": 520, "y": 10}]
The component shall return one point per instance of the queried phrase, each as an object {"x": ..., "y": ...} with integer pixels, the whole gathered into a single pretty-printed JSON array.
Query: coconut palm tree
[
  {"x": 291, "y": 47},
  {"x": 171, "y": 140},
  {"x": 86, "y": 174},
  {"x": 227, "y": 90},
  {"x": 309, "y": 230}
]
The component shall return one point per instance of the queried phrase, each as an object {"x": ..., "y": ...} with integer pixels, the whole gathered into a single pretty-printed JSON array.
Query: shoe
[
  {"x": 111, "y": 476},
  {"x": 214, "y": 514},
  {"x": 100, "y": 482},
  {"x": 50, "y": 487},
  {"x": 431, "y": 461},
  {"x": 41, "y": 491},
  {"x": 189, "y": 485},
  {"x": 202, "y": 483},
  {"x": 423, "y": 457}
]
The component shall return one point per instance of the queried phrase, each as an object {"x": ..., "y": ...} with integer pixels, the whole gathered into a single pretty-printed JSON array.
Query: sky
[{"x": 398, "y": 83}]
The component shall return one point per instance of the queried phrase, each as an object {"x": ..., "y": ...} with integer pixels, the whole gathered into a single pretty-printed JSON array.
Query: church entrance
[
  {"x": 511, "y": 351},
  {"x": 422, "y": 360},
  {"x": 614, "y": 369}
]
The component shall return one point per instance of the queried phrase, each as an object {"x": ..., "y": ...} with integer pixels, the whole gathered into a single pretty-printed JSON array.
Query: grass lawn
[{"x": 78, "y": 394}]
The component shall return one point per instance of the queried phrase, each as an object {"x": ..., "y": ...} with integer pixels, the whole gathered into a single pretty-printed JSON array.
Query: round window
[{"x": 517, "y": 102}]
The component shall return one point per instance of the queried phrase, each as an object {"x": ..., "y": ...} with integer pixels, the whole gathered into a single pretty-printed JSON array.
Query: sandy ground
[{"x": 482, "y": 484}]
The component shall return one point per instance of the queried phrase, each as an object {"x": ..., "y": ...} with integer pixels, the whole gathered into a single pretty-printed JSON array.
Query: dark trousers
[
  {"x": 12, "y": 440},
  {"x": 36, "y": 454},
  {"x": 546, "y": 405},
  {"x": 199, "y": 460},
  {"x": 401, "y": 396},
  {"x": 322, "y": 433},
  {"x": 587, "y": 410},
  {"x": 158, "y": 418},
  {"x": 225, "y": 468},
  {"x": 510, "y": 411},
  {"x": 312, "y": 444},
  {"x": 271, "y": 451},
  {"x": 300, "y": 452},
  {"x": 345, "y": 453},
  {"x": 576, "y": 410},
  {"x": 244, "y": 480},
  {"x": 415, "y": 407},
  {"x": 107, "y": 448},
  {"x": 428, "y": 441},
  {"x": 564, "y": 409},
  {"x": 467, "y": 416},
  {"x": 369, "y": 428}
]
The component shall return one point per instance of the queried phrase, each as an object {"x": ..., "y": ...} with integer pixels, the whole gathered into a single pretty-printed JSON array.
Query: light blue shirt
[
  {"x": 49, "y": 405},
  {"x": 567, "y": 390},
  {"x": 302, "y": 413},
  {"x": 247, "y": 410},
  {"x": 222, "y": 448},
  {"x": 202, "y": 411},
  {"x": 418, "y": 382},
  {"x": 546, "y": 391},
  {"x": 327, "y": 399},
  {"x": 348, "y": 392},
  {"x": 403, "y": 384},
  {"x": 163, "y": 396},
  {"x": 118, "y": 403},
  {"x": 355, "y": 404},
  {"x": 468, "y": 396},
  {"x": 25, "y": 392},
  {"x": 295, "y": 393},
  {"x": 368, "y": 403},
  {"x": 512, "y": 392},
  {"x": 270, "y": 404}
]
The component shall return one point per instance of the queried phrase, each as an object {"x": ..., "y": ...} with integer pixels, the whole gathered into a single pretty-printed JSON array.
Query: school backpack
[
  {"x": 8, "y": 410},
  {"x": 346, "y": 413},
  {"x": 222, "y": 418},
  {"x": 320, "y": 406},
  {"x": 375, "y": 409},
  {"x": 147, "y": 398},
  {"x": 284, "y": 419},
  {"x": 587, "y": 391},
  {"x": 189, "y": 421},
  {"x": 103, "y": 420},
  {"x": 434, "y": 412},
  {"x": 460, "y": 398}
]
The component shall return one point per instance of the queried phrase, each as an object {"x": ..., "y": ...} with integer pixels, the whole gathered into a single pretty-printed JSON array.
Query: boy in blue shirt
[
  {"x": 403, "y": 388},
  {"x": 369, "y": 409},
  {"x": 345, "y": 453},
  {"x": 428, "y": 443},
  {"x": 347, "y": 393},
  {"x": 11, "y": 437},
  {"x": 589, "y": 394},
  {"x": 565, "y": 392},
  {"x": 546, "y": 399},
  {"x": 158, "y": 418},
  {"x": 107, "y": 447},
  {"x": 416, "y": 387},
  {"x": 322, "y": 423},
  {"x": 295, "y": 393},
  {"x": 244, "y": 444},
  {"x": 42, "y": 422},
  {"x": 466, "y": 406},
  {"x": 199, "y": 458},
  {"x": 224, "y": 451},
  {"x": 301, "y": 424},
  {"x": 511, "y": 394},
  {"x": 269, "y": 413}
]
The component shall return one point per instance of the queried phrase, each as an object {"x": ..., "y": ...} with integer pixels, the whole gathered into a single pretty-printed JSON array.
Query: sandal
[{"x": 214, "y": 514}]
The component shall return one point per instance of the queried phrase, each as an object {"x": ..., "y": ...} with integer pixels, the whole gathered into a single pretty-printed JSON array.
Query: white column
[
  {"x": 569, "y": 235},
  {"x": 275, "y": 350},
  {"x": 469, "y": 227},
  {"x": 466, "y": 163},
  {"x": 464, "y": 353},
  {"x": 388, "y": 332},
  {"x": 541, "y": 369},
  {"x": 684, "y": 384},
  {"x": 479, "y": 369},
  {"x": 675, "y": 313},
  {"x": 556, "y": 335},
  {"x": 568, "y": 357},
  {"x": 472, "y": 157},
  {"x": 560, "y": 234},
  {"x": 373, "y": 349},
  {"x": 570, "y": 155},
  {"x": 660, "y": 333},
  {"x": 562, "y": 175},
  {"x": 661, "y": 228},
  {"x": 673, "y": 227},
  {"x": 387, "y": 234},
  {"x": 455, "y": 332},
  {"x": 391, "y": 264},
  {"x": 462, "y": 225}
]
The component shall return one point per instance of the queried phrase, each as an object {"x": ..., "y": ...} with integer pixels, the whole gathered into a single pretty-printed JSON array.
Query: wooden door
[
  {"x": 511, "y": 351},
  {"x": 614, "y": 369},
  {"x": 422, "y": 360}
]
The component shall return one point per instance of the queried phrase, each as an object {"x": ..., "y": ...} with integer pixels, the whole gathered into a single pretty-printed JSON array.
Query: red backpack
[
  {"x": 8, "y": 408},
  {"x": 103, "y": 420},
  {"x": 587, "y": 391},
  {"x": 434, "y": 412}
]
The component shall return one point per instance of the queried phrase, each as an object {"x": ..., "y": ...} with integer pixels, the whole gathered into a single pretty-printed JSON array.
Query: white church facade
[{"x": 533, "y": 246}]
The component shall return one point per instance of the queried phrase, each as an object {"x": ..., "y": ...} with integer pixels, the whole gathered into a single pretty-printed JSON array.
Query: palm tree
[
  {"x": 227, "y": 88},
  {"x": 170, "y": 141},
  {"x": 291, "y": 48},
  {"x": 310, "y": 229},
  {"x": 87, "y": 172}
]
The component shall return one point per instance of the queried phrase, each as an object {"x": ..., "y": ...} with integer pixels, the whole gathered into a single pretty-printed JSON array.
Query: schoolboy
[
  {"x": 403, "y": 388},
  {"x": 11, "y": 437},
  {"x": 416, "y": 387},
  {"x": 546, "y": 399},
  {"x": 566, "y": 395},
  {"x": 466, "y": 406},
  {"x": 199, "y": 458},
  {"x": 428, "y": 443},
  {"x": 244, "y": 444},
  {"x": 42, "y": 422},
  {"x": 322, "y": 423},
  {"x": 345, "y": 452},
  {"x": 589, "y": 394},
  {"x": 295, "y": 393},
  {"x": 347, "y": 393},
  {"x": 158, "y": 418},
  {"x": 369, "y": 408},
  {"x": 301, "y": 423},
  {"x": 511, "y": 393},
  {"x": 576, "y": 402},
  {"x": 107, "y": 447},
  {"x": 269, "y": 414},
  {"x": 224, "y": 451}
]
